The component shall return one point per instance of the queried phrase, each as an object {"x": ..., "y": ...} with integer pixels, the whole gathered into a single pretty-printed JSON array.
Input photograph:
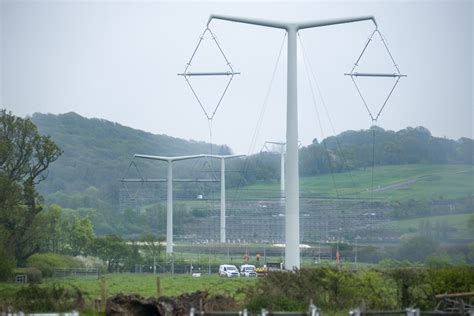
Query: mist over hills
[{"x": 98, "y": 152}]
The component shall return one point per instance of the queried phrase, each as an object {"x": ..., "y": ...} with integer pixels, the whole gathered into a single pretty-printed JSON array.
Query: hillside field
[
  {"x": 458, "y": 222},
  {"x": 393, "y": 183}
]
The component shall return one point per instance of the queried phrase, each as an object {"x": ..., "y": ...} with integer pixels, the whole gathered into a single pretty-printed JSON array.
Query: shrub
[
  {"x": 7, "y": 265},
  {"x": 327, "y": 287},
  {"x": 451, "y": 279},
  {"x": 34, "y": 275},
  {"x": 373, "y": 289},
  {"x": 47, "y": 262},
  {"x": 57, "y": 298}
]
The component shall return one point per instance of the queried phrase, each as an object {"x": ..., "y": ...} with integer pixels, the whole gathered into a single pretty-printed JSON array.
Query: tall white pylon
[
  {"x": 169, "y": 195},
  {"x": 292, "y": 212},
  {"x": 222, "y": 219}
]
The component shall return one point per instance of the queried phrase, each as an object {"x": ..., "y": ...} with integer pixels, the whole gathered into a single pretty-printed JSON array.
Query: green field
[
  {"x": 456, "y": 221},
  {"x": 145, "y": 285},
  {"x": 424, "y": 182}
]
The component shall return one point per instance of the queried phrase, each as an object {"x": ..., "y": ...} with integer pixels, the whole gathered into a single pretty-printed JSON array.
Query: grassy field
[
  {"x": 145, "y": 285},
  {"x": 457, "y": 221},
  {"x": 422, "y": 182}
]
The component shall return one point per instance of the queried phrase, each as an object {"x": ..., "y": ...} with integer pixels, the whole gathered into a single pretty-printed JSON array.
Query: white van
[
  {"x": 228, "y": 270},
  {"x": 248, "y": 270}
]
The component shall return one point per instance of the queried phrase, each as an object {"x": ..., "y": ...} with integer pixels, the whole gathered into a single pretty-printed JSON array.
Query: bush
[
  {"x": 327, "y": 287},
  {"x": 47, "y": 262},
  {"x": 454, "y": 279},
  {"x": 34, "y": 275},
  {"x": 384, "y": 288},
  {"x": 7, "y": 265},
  {"x": 56, "y": 298}
]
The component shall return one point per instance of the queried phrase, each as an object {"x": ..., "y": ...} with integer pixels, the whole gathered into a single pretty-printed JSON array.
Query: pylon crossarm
[
  {"x": 368, "y": 74},
  {"x": 226, "y": 73},
  {"x": 165, "y": 180}
]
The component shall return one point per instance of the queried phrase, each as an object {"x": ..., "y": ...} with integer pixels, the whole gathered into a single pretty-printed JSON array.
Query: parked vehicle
[
  {"x": 228, "y": 270},
  {"x": 275, "y": 266},
  {"x": 248, "y": 270},
  {"x": 270, "y": 266}
]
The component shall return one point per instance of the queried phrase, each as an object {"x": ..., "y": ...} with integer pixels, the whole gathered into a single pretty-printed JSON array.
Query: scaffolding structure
[{"x": 259, "y": 216}]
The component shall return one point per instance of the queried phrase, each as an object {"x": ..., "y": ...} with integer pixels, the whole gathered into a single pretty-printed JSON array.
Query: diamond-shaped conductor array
[
  {"x": 229, "y": 73},
  {"x": 355, "y": 75}
]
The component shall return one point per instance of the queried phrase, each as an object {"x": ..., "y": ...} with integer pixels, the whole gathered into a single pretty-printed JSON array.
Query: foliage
[
  {"x": 97, "y": 151},
  {"x": 373, "y": 289},
  {"x": 48, "y": 262},
  {"x": 327, "y": 287},
  {"x": 34, "y": 298},
  {"x": 452, "y": 279},
  {"x": 407, "y": 146},
  {"x": 378, "y": 288},
  {"x": 142, "y": 284},
  {"x": 25, "y": 155},
  {"x": 115, "y": 252},
  {"x": 7, "y": 260},
  {"x": 94, "y": 163},
  {"x": 153, "y": 247},
  {"x": 33, "y": 274},
  {"x": 7, "y": 265},
  {"x": 54, "y": 229},
  {"x": 417, "y": 248},
  {"x": 406, "y": 280},
  {"x": 80, "y": 235},
  {"x": 92, "y": 160}
]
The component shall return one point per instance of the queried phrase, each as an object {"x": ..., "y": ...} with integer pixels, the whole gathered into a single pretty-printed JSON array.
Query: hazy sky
[{"x": 118, "y": 60}]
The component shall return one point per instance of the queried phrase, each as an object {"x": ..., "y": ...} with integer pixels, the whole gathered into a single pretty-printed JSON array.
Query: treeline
[
  {"x": 359, "y": 149},
  {"x": 98, "y": 153},
  {"x": 407, "y": 146}
]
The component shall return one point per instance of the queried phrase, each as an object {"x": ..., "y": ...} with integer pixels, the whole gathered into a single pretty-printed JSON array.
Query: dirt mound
[{"x": 134, "y": 304}]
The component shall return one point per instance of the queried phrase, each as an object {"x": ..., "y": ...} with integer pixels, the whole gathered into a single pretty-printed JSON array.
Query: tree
[
  {"x": 25, "y": 155},
  {"x": 53, "y": 228},
  {"x": 417, "y": 248},
  {"x": 406, "y": 279},
  {"x": 113, "y": 250},
  {"x": 154, "y": 247},
  {"x": 80, "y": 235}
]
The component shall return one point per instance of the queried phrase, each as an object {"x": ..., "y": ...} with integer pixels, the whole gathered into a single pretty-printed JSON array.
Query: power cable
[
  {"x": 320, "y": 126},
  {"x": 323, "y": 102},
  {"x": 259, "y": 122}
]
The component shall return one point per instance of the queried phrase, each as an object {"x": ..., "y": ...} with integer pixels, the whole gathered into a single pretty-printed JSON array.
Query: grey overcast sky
[{"x": 118, "y": 60}]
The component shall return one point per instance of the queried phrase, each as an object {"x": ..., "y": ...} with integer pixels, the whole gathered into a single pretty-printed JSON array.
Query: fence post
[
  {"x": 103, "y": 294},
  {"x": 158, "y": 286},
  {"x": 192, "y": 311}
]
